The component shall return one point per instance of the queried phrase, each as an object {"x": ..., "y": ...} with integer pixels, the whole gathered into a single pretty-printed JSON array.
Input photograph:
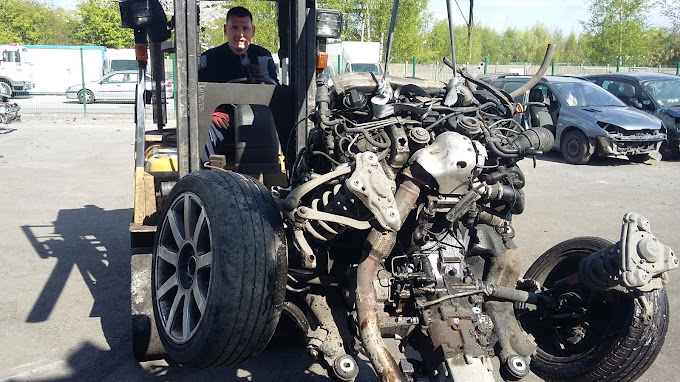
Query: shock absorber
[{"x": 632, "y": 262}]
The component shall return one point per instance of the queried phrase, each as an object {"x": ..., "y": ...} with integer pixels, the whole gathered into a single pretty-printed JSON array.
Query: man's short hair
[{"x": 239, "y": 12}]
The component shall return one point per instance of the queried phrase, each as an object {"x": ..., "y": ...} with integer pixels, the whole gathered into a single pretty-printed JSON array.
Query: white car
[{"x": 115, "y": 86}]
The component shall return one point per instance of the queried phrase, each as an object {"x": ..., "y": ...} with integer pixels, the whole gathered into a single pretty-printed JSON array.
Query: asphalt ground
[{"x": 67, "y": 196}]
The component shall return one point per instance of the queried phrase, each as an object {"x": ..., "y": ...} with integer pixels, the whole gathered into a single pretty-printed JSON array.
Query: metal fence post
[
  {"x": 553, "y": 67},
  {"x": 618, "y": 65},
  {"x": 486, "y": 63},
  {"x": 677, "y": 69},
  {"x": 338, "y": 64},
  {"x": 83, "y": 96},
  {"x": 414, "y": 66}
]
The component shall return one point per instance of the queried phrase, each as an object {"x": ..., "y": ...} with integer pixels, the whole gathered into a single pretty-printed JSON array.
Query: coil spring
[
  {"x": 600, "y": 270},
  {"x": 336, "y": 201}
]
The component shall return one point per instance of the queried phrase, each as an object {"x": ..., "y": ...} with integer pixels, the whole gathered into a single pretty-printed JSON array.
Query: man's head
[{"x": 239, "y": 29}]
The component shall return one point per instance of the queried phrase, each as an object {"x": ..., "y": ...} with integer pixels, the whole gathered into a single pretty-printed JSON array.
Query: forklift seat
[
  {"x": 257, "y": 147},
  {"x": 539, "y": 114}
]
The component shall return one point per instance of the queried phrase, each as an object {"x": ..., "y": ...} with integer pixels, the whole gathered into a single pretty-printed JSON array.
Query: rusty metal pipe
[{"x": 379, "y": 246}]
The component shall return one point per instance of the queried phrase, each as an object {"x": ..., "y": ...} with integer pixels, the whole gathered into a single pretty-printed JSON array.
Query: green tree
[
  {"x": 369, "y": 20},
  {"x": 31, "y": 22},
  {"x": 570, "y": 51},
  {"x": 100, "y": 25},
  {"x": 617, "y": 28},
  {"x": 671, "y": 47}
]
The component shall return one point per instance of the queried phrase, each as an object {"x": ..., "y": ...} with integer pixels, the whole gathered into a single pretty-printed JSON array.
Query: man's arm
[
  {"x": 273, "y": 70},
  {"x": 203, "y": 68},
  {"x": 266, "y": 64}
]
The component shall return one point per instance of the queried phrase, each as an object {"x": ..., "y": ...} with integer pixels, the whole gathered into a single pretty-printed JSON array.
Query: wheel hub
[
  {"x": 186, "y": 266},
  {"x": 573, "y": 148}
]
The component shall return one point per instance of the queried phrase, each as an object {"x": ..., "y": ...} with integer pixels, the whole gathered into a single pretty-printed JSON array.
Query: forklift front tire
[{"x": 219, "y": 269}]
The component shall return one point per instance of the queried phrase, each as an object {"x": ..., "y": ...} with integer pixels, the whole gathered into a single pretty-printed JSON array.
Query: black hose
[{"x": 539, "y": 74}]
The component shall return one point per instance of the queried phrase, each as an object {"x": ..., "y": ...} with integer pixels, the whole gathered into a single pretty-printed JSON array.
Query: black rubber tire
[
  {"x": 89, "y": 96},
  {"x": 667, "y": 152},
  {"x": 639, "y": 158},
  {"x": 241, "y": 289},
  {"x": 620, "y": 343},
  {"x": 576, "y": 148}
]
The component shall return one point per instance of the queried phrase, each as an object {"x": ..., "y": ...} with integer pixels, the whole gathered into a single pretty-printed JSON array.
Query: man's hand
[
  {"x": 253, "y": 71},
  {"x": 220, "y": 119}
]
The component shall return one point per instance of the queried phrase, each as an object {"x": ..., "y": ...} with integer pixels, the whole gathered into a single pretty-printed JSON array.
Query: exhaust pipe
[{"x": 379, "y": 246}]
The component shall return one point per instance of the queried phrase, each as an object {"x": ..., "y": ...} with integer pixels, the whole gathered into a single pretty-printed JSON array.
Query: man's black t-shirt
[{"x": 220, "y": 64}]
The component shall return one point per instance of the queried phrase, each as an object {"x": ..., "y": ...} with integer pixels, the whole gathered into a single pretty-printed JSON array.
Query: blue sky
[{"x": 563, "y": 15}]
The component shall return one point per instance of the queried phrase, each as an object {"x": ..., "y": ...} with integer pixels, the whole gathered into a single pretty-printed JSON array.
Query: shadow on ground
[
  {"x": 96, "y": 243},
  {"x": 602, "y": 161}
]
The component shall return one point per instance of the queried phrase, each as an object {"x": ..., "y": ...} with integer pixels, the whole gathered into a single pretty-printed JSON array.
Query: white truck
[
  {"x": 16, "y": 71},
  {"x": 355, "y": 56},
  {"x": 120, "y": 59}
]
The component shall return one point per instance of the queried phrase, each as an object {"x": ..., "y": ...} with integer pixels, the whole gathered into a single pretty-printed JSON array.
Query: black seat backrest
[
  {"x": 536, "y": 95},
  {"x": 539, "y": 114},
  {"x": 258, "y": 150}
]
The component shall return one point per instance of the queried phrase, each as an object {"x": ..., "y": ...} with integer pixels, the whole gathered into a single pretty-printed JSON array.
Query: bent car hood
[{"x": 624, "y": 117}]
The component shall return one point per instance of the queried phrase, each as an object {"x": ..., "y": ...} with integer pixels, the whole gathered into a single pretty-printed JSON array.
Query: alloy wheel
[{"x": 182, "y": 277}]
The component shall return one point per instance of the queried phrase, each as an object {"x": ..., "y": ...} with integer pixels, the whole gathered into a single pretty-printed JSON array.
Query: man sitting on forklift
[{"x": 237, "y": 60}]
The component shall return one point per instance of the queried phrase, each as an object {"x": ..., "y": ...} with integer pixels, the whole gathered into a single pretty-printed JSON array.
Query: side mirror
[{"x": 635, "y": 103}]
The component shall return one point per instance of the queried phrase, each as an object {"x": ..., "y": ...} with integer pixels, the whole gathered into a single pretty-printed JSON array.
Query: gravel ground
[{"x": 67, "y": 201}]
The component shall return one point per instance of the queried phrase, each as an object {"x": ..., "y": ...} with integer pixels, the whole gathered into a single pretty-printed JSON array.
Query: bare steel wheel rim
[
  {"x": 183, "y": 265},
  {"x": 574, "y": 147}
]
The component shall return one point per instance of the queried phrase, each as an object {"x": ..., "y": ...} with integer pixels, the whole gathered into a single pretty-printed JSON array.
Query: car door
[
  {"x": 111, "y": 86},
  {"x": 510, "y": 86},
  {"x": 622, "y": 89},
  {"x": 129, "y": 87},
  {"x": 646, "y": 101}
]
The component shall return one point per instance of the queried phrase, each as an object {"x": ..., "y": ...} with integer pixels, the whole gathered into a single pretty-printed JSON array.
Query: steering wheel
[{"x": 251, "y": 80}]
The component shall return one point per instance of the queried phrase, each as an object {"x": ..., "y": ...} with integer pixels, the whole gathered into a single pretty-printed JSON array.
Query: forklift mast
[
  {"x": 295, "y": 100},
  {"x": 290, "y": 103}
]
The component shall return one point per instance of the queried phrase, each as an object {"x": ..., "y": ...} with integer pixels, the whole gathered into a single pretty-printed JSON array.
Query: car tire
[
  {"x": 89, "y": 96},
  {"x": 6, "y": 89},
  {"x": 639, "y": 158},
  {"x": 576, "y": 148},
  {"x": 222, "y": 309},
  {"x": 667, "y": 151},
  {"x": 620, "y": 340}
]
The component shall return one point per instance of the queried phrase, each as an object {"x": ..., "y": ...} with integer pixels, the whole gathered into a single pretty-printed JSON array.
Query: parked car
[
  {"x": 655, "y": 93},
  {"x": 585, "y": 119},
  {"x": 115, "y": 86}
]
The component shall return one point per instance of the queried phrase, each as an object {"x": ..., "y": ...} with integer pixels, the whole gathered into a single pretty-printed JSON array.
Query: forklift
[{"x": 271, "y": 124}]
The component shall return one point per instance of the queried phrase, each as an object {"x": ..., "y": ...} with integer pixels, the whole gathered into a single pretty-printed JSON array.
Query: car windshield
[
  {"x": 375, "y": 68},
  {"x": 665, "y": 92},
  {"x": 586, "y": 94}
]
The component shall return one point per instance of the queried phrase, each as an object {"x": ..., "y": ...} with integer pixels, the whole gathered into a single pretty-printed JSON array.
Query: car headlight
[{"x": 608, "y": 127}]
